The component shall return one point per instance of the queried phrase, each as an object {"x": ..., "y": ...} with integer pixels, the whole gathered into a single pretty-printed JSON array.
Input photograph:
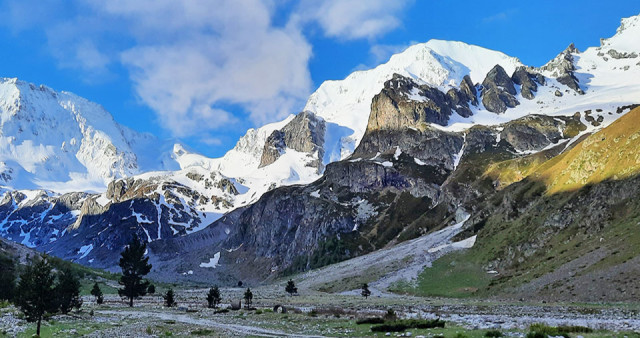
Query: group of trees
[
  {"x": 43, "y": 290},
  {"x": 40, "y": 291}
]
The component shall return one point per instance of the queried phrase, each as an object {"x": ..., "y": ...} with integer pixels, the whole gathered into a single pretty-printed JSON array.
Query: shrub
[
  {"x": 542, "y": 330},
  {"x": 493, "y": 333},
  {"x": 221, "y": 311},
  {"x": 402, "y": 325},
  {"x": 575, "y": 329},
  {"x": 202, "y": 332},
  {"x": 392, "y": 327},
  {"x": 390, "y": 315},
  {"x": 374, "y": 320}
]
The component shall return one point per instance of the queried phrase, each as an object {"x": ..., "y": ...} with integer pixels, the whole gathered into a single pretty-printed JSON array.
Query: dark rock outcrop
[
  {"x": 528, "y": 81},
  {"x": 498, "y": 91},
  {"x": 402, "y": 103},
  {"x": 562, "y": 68},
  {"x": 305, "y": 133},
  {"x": 462, "y": 97}
]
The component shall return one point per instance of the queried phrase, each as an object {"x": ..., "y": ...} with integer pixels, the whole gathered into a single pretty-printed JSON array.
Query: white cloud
[
  {"x": 191, "y": 56},
  {"x": 353, "y": 19},
  {"x": 191, "y": 60}
]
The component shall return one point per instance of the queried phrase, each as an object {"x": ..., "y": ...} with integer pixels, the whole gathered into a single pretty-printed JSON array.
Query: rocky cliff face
[
  {"x": 403, "y": 174},
  {"x": 563, "y": 68},
  {"x": 305, "y": 133}
]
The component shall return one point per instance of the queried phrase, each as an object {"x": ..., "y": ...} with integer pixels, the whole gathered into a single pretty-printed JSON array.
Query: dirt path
[{"x": 186, "y": 319}]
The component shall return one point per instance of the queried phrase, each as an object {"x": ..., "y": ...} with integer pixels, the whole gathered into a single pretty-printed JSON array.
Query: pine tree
[
  {"x": 169, "y": 300},
  {"x": 7, "y": 278},
  {"x": 365, "y": 290},
  {"x": 248, "y": 298},
  {"x": 134, "y": 265},
  {"x": 96, "y": 292},
  {"x": 213, "y": 297},
  {"x": 291, "y": 287},
  {"x": 67, "y": 291},
  {"x": 151, "y": 289},
  {"x": 35, "y": 296}
]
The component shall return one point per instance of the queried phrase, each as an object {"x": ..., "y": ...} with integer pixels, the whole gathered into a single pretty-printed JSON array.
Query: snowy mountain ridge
[
  {"x": 62, "y": 142},
  {"x": 72, "y": 144}
]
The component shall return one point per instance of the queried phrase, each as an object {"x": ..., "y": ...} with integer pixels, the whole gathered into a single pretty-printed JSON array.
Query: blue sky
[{"x": 204, "y": 72}]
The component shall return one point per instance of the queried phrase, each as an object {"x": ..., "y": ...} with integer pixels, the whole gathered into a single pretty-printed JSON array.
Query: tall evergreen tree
[
  {"x": 134, "y": 266},
  {"x": 213, "y": 297},
  {"x": 96, "y": 292},
  {"x": 248, "y": 298},
  {"x": 67, "y": 291},
  {"x": 291, "y": 287},
  {"x": 365, "y": 291},
  {"x": 35, "y": 296},
  {"x": 7, "y": 278},
  {"x": 151, "y": 289},
  {"x": 169, "y": 299}
]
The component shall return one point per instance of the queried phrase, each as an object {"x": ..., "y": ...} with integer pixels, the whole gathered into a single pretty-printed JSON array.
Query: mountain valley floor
[{"x": 316, "y": 314}]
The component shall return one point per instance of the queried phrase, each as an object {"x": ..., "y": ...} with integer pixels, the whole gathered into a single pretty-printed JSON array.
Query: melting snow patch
[
  {"x": 315, "y": 194},
  {"x": 397, "y": 153},
  {"x": 414, "y": 95},
  {"x": 465, "y": 243},
  {"x": 85, "y": 250},
  {"x": 213, "y": 262},
  {"x": 418, "y": 161},
  {"x": 103, "y": 200},
  {"x": 387, "y": 164}
]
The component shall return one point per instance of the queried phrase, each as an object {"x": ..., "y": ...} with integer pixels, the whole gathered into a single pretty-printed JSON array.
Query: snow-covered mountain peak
[
  {"x": 627, "y": 36},
  {"x": 438, "y": 63},
  {"x": 60, "y": 141}
]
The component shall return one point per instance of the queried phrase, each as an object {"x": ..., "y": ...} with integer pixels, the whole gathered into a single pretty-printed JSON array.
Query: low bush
[
  {"x": 391, "y": 327},
  {"x": 221, "y": 311},
  {"x": 402, "y": 325},
  {"x": 575, "y": 329},
  {"x": 541, "y": 330},
  {"x": 202, "y": 332},
  {"x": 493, "y": 333},
  {"x": 374, "y": 320}
]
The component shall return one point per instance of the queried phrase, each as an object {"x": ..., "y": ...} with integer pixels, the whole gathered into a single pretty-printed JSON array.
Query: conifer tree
[
  {"x": 291, "y": 287},
  {"x": 67, "y": 291},
  {"x": 248, "y": 298},
  {"x": 134, "y": 266},
  {"x": 365, "y": 291},
  {"x": 7, "y": 278},
  {"x": 213, "y": 297},
  {"x": 96, "y": 292},
  {"x": 151, "y": 289},
  {"x": 169, "y": 299},
  {"x": 35, "y": 296}
]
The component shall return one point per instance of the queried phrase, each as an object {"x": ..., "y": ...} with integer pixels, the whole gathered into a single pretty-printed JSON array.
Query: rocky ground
[{"x": 314, "y": 314}]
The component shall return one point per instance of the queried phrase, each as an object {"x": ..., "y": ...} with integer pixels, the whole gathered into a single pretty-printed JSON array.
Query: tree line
[{"x": 41, "y": 292}]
